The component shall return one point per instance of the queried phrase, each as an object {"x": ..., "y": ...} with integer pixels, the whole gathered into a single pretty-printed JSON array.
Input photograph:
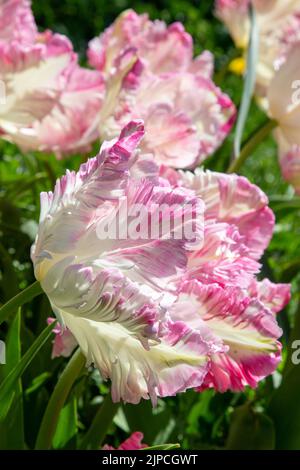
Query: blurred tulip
[{"x": 151, "y": 74}]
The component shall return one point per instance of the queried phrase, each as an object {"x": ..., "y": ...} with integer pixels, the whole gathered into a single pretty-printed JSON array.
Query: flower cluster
[{"x": 155, "y": 312}]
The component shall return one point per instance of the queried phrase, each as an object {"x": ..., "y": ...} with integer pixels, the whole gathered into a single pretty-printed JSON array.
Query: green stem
[
  {"x": 18, "y": 300},
  {"x": 57, "y": 400},
  {"x": 251, "y": 144},
  {"x": 100, "y": 424}
]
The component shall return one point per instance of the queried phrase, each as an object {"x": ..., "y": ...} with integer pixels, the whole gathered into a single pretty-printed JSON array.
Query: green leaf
[
  {"x": 8, "y": 385},
  {"x": 163, "y": 447},
  {"x": 284, "y": 407},
  {"x": 37, "y": 382},
  {"x": 250, "y": 430},
  {"x": 157, "y": 424},
  {"x": 65, "y": 434},
  {"x": 12, "y": 428},
  {"x": 18, "y": 300},
  {"x": 95, "y": 436},
  {"x": 285, "y": 411},
  {"x": 249, "y": 84}
]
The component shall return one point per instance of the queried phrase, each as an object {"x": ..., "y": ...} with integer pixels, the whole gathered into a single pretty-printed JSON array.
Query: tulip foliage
[{"x": 149, "y": 270}]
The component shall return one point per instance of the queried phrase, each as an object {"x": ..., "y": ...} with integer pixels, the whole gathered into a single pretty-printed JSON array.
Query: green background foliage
[{"x": 264, "y": 418}]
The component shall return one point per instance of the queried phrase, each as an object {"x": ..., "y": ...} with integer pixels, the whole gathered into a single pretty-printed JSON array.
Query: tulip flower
[
  {"x": 50, "y": 102},
  {"x": 160, "y": 316},
  {"x": 150, "y": 74},
  {"x": 220, "y": 293},
  {"x": 113, "y": 294},
  {"x": 134, "y": 442}
]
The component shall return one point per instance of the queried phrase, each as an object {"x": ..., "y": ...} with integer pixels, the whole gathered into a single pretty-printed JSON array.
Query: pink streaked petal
[
  {"x": 178, "y": 362},
  {"x": 272, "y": 296},
  {"x": 244, "y": 325},
  {"x": 103, "y": 296},
  {"x": 203, "y": 65},
  {"x": 211, "y": 111},
  {"x": 134, "y": 442},
  {"x": 224, "y": 258},
  {"x": 163, "y": 48},
  {"x": 232, "y": 199},
  {"x": 172, "y": 136}
]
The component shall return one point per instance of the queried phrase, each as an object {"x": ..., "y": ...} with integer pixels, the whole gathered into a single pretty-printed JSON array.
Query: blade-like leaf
[
  {"x": 8, "y": 386},
  {"x": 163, "y": 447},
  {"x": 13, "y": 304},
  {"x": 156, "y": 425},
  {"x": 250, "y": 430},
  {"x": 65, "y": 434},
  {"x": 12, "y": 428},
  {"x": 284, "y": 407}
]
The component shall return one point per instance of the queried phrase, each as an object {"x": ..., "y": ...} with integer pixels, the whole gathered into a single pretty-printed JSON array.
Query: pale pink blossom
[
  {"x": 134, "y": 442},
  {"x": 114, "y": 295},
  {"x": 17, "y": 22},
  {"x": 151, "y": 74},
  {"x": 50, "y": 102}
]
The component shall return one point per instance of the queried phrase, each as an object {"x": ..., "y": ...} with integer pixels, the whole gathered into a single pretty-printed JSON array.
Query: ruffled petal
[
  {"x": 177, "y": 363},
  {"x": 231, "y": 199},
  {"x": 224, "y": 258},
  {"x": 17, "y": 22},
  {"x": 163, "y": 48},
  {"x": 244, "y": 325},
  {"x": 273, "y": 296},
  {"x": 134, "y": 442}
]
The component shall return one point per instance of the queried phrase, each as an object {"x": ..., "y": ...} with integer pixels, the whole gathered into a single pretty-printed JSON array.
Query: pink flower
[
  {"x": 113, "y": 294},
  {"x": 50, "y": 102},
  {"x": 151, "y": 74},
  {"x": 134, "y": 442},
  {"x": 220, "y": 297}
]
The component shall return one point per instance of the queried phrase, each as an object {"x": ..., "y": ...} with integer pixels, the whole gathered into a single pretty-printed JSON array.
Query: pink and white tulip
[
  {"x": 50, "y": 102},
  {"x": 113, "y": 295},
  {"x": 151, "y": 74},
  {"x": 220, "y": 296}
]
